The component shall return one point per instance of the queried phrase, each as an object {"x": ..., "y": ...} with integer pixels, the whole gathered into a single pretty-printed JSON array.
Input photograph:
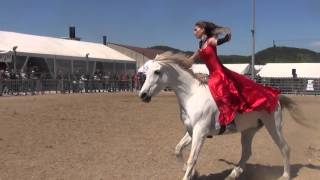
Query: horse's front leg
[
  {"x": 184, "y": 142},
  {"x": 198, "y": 137}
]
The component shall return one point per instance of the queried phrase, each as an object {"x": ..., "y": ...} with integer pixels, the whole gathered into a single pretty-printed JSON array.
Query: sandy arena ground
[{"x": 116, "y": 136}]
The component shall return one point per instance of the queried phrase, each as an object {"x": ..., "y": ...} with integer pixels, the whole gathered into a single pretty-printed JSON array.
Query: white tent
[
  {"x": 284, "y": 70},
  {"x": 239, "y": 68},
  {"x": 61, "y": 48},
  {"x": 258, "y": 67},
  {"x": 61, "y": 55}
]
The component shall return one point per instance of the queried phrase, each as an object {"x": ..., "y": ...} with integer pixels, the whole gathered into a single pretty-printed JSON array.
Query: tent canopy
[
  {"x": 239, "y": 68},
  {"x": 61, "y": 48},
  {"x": 284, "y": 70}
]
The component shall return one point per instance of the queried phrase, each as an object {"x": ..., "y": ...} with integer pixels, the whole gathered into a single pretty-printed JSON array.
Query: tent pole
[
  {"x": 94, "y": 67},
  {"x": 87, "y": 63},
  {"x": 25, "y": 63},
  {"x": 72, "y": 67},
  {"x": 15, "y": 62},
  {"x": 55, "y": 67},
  {"x": 46, "y": 61},
  {"x": 87, "y": 66}
]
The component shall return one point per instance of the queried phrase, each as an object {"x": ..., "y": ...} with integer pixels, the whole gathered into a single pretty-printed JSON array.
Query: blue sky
[{"x": 168, "y": 22}]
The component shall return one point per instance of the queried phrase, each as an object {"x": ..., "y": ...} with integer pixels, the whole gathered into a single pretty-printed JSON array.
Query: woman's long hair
[{"x": 211, "y": 29}]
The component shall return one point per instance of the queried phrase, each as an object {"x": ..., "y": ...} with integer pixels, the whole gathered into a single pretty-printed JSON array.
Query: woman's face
[{"x": 198, "y": 32}]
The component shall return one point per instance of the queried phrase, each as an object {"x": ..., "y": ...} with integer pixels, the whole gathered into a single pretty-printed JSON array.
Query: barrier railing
[
  {"x": 299, "y": 86},
  {"x": 42, "y": 86}
]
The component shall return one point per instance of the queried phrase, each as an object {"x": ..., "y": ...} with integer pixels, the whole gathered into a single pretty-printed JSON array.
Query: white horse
[{"x": 198, "y": 112}]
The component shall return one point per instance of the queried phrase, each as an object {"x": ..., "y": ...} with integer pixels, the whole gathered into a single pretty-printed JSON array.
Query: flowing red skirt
[{"x": 235, "y": 93}]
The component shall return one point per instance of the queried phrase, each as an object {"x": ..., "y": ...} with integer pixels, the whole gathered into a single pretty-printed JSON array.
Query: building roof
[
  {"x": 284, "y": 70},
  {"x": 148, "y": 52},
  {"x": 239, "y": 68},
  {"x": 61, "y": 48}
]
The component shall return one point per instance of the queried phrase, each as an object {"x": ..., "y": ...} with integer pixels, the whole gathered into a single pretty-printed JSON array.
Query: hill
[
  {"x": 287, "y": 54},
  {"x": 269, "y": 55}
]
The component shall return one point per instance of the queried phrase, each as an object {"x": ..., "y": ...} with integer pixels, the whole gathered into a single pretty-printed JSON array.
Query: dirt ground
[{"x": 116, "y": 136}]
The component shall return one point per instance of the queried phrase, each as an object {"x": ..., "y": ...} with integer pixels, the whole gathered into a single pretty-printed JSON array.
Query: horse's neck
[{"x": 184, "y": 86}]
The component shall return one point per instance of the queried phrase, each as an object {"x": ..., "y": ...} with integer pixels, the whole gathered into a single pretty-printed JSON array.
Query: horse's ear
[{"x": 158, "y": 56}]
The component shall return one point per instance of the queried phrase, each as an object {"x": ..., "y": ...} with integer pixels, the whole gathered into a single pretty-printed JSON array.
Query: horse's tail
[{"x": 294, "y": 110}]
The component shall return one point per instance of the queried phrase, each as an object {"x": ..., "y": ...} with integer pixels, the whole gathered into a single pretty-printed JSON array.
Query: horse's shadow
[{"x": 257, "y": 171}]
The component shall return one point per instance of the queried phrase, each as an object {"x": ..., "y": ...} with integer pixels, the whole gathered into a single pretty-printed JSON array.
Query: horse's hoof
[
  {"x": 178, "y": 155},
  {"x": 284, "y": 178},
  {"x": 229, "y": 178},
  {"x": 235, "y": 173},
  {"x": 195, "y": 175},
  {"x": 184, "y": 168}
]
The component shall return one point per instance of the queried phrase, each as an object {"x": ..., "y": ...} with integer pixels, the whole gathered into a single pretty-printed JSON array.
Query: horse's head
[
  {"x": 167, "y": 70},
  {"x": 156, "y": 80}
]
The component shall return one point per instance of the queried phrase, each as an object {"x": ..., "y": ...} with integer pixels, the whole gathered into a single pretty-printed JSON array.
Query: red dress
[{"x": 235, "y": 93}]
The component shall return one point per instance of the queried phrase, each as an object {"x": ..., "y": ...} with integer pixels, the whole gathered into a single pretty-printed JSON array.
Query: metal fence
[
  {"x": 298, "y": 86},
  {"x": 42, "y": 86}
]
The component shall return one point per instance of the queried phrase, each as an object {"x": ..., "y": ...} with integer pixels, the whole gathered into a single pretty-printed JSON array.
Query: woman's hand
[
  {"x": 203, "y": 78},
  {"x": 192, "y": 58},
  {"x": 228, "y": 37}
]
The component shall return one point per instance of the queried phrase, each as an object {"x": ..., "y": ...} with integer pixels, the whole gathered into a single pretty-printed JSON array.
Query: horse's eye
[{"x": 157, "y": 72}]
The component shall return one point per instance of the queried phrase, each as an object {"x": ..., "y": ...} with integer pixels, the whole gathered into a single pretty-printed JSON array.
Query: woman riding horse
[{"x": 234, "y": 93}]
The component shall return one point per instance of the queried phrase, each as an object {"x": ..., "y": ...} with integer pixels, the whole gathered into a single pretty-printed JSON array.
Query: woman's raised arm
[
  {"x": 216, "y": 42},
  {"x": 226, "y": 38}
]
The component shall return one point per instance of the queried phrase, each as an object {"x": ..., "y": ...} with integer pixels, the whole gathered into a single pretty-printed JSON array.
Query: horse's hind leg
[
  {"x": 274, "y": 127},
  {"x": 246, "y": 142}
]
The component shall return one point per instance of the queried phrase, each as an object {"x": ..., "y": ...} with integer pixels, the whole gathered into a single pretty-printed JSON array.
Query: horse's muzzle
[{"x": 145, "y": 98}]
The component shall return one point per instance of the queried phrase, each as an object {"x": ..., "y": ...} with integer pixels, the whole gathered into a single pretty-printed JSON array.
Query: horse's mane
[{"x": 181, "y": 59}]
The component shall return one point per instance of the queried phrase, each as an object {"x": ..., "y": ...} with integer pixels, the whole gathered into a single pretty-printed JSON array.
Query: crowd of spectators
[
  {"x": 35, "y": 81},
  {"x": 34, "y": 73}
]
